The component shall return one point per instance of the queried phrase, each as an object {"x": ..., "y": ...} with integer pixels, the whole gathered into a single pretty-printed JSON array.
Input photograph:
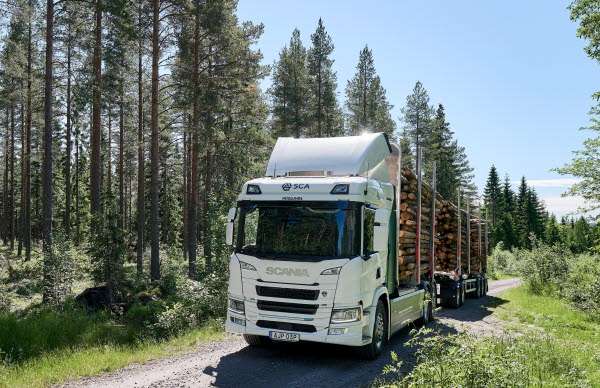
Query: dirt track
[{"x": 230, "y": 363}]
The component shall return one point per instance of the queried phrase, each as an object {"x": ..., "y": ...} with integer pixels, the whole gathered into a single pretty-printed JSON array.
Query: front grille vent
[
  {"x": 301, "y": 327},
  {"x": 288, "y": 293},
  {"x": 295, "y": 308}
]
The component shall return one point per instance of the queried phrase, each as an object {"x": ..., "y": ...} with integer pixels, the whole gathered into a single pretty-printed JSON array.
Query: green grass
[
  {"x": 69, "y": 363},
  {"x": 575, "y": 334}
]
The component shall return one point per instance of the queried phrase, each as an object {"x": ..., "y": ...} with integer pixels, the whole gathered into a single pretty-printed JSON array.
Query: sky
[{"x": 512, "y": 75}]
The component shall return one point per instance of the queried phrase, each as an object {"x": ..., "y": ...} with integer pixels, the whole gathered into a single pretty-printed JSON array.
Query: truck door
[{"x": 373, "y": 273}]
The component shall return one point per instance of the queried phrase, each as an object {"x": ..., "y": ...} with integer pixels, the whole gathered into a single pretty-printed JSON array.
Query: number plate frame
[{"x": 284, "y": 336}]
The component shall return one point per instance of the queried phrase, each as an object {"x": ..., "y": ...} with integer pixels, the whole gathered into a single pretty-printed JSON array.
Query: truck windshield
[{"x": 298, "y": 230}]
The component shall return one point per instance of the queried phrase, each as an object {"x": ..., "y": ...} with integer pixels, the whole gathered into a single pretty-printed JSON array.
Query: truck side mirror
[{"x": 229, "y": 230}]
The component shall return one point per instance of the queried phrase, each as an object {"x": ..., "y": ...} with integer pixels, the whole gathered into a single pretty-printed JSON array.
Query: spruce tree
[
  {"x": 492, "y": 195},
  {"x": 290, "y": 90},
  {"x": 366, "y": 101},
  {"x": 325, "y": 114}
]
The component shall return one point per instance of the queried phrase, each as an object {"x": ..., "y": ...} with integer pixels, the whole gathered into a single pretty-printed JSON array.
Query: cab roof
[{"x": 329, "y": 156}]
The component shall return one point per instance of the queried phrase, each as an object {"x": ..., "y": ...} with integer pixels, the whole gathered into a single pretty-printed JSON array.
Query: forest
[
  {"x": 127, "y": 129},
  {"x": 152, "y": 117}
]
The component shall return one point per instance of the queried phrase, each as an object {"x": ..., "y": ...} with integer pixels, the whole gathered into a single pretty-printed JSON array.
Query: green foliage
[
  {"x": 544, "y": 268},
  {"x": 289, "y": 90},
  {"x": 46, "y": 329},
  {"x": 431, "y": 130},
  {"x": 325, "y": 114},
  {"x": 555, "y": 270},
  {"x": 366, "y": 101},
  {"x": 462, "y": 360},
  {"x": 583, "y": 283},
  {"x": 502, "y": 262}
]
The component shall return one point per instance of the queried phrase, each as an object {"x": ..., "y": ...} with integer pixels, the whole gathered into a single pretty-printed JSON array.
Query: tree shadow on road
[
  {"x": 310, "y": 364},
  {"x": 474, "y": 309},
  {"x": 322, "y": 365}
]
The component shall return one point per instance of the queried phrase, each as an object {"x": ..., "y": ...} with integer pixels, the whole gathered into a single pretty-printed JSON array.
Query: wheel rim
[{"x": 379, "y": 329}]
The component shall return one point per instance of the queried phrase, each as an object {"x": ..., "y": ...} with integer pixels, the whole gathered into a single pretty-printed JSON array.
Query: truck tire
[
  {"x": 426, "y": 315},
  {"x": 256, "y": 340},
  {"x": 477, "y": 293},
  {"x": 462, "y": 295},
  {"x": 455, "y": 301},
  {"x": 379, "y": 335}
]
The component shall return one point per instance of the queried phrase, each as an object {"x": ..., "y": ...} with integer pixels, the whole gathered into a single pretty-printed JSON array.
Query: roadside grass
[
  {"x": 547, "y": 343},
  {"x": 576, "y": 335},
  {"x": 85, "y": 360}
]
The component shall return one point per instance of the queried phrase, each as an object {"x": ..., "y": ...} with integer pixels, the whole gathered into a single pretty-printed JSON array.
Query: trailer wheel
[
  {"x": 379, "y": 336},
  {"x": 455, "y": 301},
  {"x": 256, "y": 340}
]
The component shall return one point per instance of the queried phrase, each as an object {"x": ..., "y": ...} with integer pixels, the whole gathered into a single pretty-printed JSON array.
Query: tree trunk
[
  {"x": 95, "y": 136},
  {"x": 140, "y": 147},
  {"x": 109, "y": 152},
  {"x": 192, "y": 233},
  {"x": 155, "y": 184},
  {"x": 67, "y": 216},
  {"x": 77, "y": 200},
  {"x": 49, "y": 281},
  {"x": 26, "y": 233},
  {"x": 5, "y": 218},
  {"x": 11, "y": 195},
  {"x": 122, "y": 209},
  {"x": 185, "y": 190}
]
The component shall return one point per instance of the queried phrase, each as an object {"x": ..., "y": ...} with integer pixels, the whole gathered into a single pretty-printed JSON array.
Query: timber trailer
[
  {"x": 315, "y": 247},
  {"x": 467, "y": 278}
]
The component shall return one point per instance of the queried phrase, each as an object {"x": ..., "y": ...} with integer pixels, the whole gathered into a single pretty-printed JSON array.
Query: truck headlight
[
  {"x": 332, "y": 271},
  {"x": 237, "y": 306},
  {"x": 346, "y": 315},
  {"x": 246, "y": 266}
]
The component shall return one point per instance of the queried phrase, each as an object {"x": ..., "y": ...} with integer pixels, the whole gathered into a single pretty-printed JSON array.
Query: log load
[{"x": 446, "y": 233}]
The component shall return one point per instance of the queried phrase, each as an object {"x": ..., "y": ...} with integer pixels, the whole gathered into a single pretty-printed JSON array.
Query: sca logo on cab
[{"x": 295, "y": 186}]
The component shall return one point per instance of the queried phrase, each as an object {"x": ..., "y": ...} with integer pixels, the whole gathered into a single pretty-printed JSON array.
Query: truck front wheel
[{"x": 379, "y": 337}]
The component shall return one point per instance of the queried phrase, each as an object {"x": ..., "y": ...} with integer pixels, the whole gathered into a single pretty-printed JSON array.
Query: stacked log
[
  {"x": 476, "y": 253},
  {"x": 447, "y": 232},
  {"x": 407, "y": 265}
]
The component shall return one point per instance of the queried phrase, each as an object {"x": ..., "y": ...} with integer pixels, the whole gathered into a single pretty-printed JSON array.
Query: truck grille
[
  {"x": 288, "y": 293},
  {"x": 287, "y": 326},
  {"x": 296, "y": 308}
]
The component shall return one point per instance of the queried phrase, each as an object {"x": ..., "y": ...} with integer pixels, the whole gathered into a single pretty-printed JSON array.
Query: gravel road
[{"x": 231, "y": 363}]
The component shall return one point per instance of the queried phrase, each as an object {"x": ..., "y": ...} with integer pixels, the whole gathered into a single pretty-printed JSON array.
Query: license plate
[{"x": 283, "y": 336}]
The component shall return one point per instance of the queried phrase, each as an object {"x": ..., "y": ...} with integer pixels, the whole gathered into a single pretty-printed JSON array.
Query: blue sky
[{"x": 512, "y": 75}]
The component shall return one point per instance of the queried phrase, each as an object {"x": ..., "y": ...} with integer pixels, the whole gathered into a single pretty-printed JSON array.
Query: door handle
[{"x": 378, "y": 275}]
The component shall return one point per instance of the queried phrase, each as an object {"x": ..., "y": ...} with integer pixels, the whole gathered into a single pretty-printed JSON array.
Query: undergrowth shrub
[
  {"x": 502, "y": 261},
  {"x": 462, "y": 360},
  {"x": 582, "y": 284},
  {"x": 544, "y": 268}
]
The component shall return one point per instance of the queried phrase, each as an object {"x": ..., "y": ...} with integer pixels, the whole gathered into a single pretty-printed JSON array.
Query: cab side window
[{"x": 368, "y": 228}]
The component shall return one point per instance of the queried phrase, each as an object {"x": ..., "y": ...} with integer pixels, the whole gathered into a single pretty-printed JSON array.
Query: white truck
[{"x": 315, "y": 247}]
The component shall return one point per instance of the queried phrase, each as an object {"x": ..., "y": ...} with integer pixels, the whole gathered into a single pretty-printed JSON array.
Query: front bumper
[{"x": 353, "y": 335}]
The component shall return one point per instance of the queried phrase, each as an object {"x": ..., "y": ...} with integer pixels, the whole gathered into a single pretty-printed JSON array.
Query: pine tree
[
  {"x": 366, "y": 101},
  {"x": 418, "y": 116}
]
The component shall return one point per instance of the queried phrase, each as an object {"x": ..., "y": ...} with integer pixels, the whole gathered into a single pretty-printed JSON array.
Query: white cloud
[
  {"x": 559, "y": 182},
  {"x": 562, "y": 206}
]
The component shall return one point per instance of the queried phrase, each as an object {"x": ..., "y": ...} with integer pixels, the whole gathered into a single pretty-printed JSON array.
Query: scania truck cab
[{"x": 314, "y": 247}]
